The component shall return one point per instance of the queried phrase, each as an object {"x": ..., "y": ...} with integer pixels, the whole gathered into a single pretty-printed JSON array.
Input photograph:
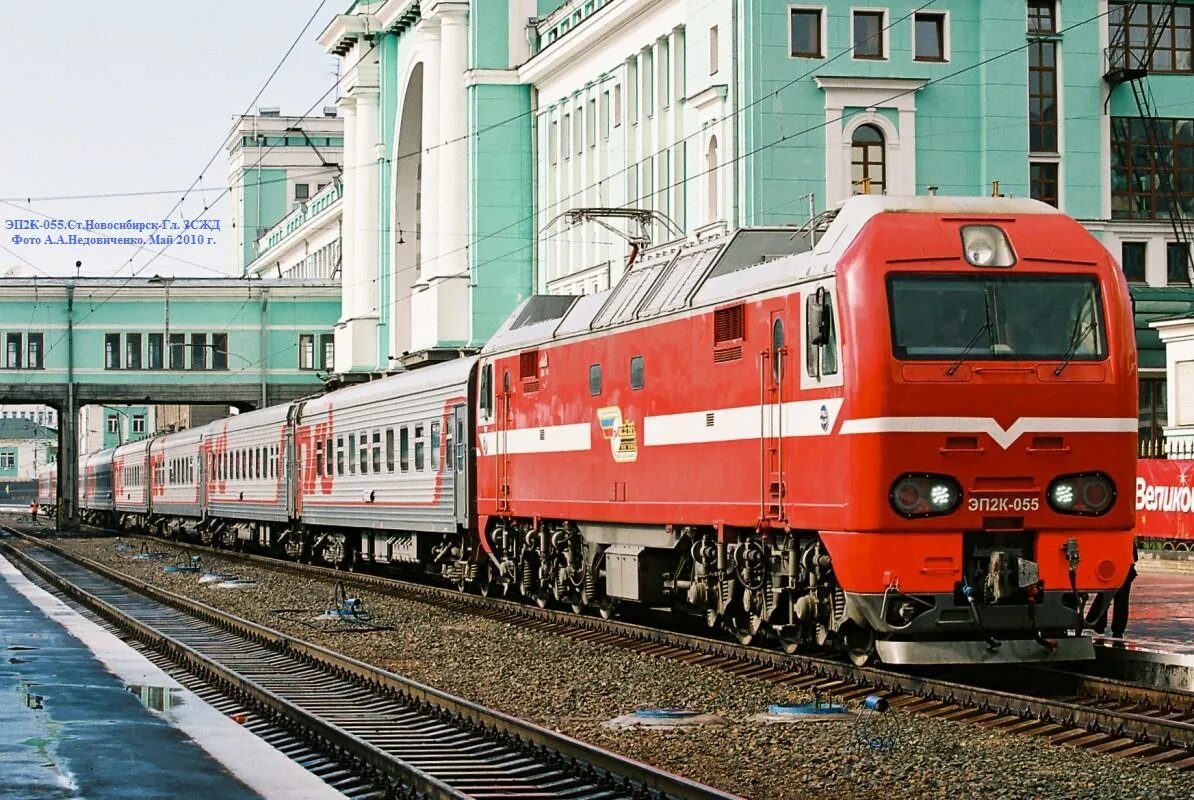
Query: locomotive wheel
[
  {"x": 860, "y": 643},
  {"x": 490, "y": 583},
  {"x": 742, "y": 625}
]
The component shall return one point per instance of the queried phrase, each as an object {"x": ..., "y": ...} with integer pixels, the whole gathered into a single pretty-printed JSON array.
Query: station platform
[
  {"x": 1158, "y": 646},
  {"x": 84, "y": 715}
]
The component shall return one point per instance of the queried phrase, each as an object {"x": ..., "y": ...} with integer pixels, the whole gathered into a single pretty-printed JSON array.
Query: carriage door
[
  {"x": 457, "y": 452},
  {"x": 773, "y": 367}
]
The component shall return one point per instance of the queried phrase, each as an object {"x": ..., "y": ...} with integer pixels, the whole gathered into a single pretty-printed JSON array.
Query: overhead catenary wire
[{"x": 780, "y": 140}]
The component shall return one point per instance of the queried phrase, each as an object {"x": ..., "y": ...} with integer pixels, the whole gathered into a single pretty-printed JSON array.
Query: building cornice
[
  {"x": 855, "y": 83},
  {"x": 503, "y": 77},
  {"x": 345, "y": 30},
  {"x": 603, "y": 23},
  {"x": 710, "y": 94}
]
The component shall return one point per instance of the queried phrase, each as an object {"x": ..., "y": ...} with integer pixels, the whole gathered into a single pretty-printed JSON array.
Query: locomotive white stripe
[
  {"x": 1004, "y": 438},
  {"x": 546, "y": 439},
  {"x": 801, "y": 418}
]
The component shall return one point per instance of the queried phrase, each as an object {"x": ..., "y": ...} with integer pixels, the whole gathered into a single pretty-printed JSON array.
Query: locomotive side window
[
  {"x": 389, "y": 449},
  {"x": 636, "y": 372},
  {"x": 419, "y": 446},
  {"x": 435, "y": 447},
  {"x": 595, "y": 380},
  {"x": 486, "y": 390},
  {"x": 777, "y": 346}
]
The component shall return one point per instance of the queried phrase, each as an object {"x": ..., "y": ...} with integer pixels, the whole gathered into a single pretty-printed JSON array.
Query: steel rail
[
  {"x": 1127, "y": 725},
  {"x": 632, "y": 777}
]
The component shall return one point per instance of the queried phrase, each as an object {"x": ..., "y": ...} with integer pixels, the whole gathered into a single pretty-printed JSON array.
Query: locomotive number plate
[{"x": 1004, "y": 504}]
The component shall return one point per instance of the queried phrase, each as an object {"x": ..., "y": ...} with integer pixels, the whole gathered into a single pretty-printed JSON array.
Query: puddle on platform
[
  {"x": 157, "y": 698},
  {"x": 32, "y": 699}
]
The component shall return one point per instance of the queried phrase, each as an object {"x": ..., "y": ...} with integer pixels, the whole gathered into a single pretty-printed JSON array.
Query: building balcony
[
  {"x": 565, "y": 19},
  {"x": 300, "y": 216}
]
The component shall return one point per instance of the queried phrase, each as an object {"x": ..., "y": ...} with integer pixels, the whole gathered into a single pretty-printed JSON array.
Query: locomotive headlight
[
  {"x": 1089, "y": 494},
  {"x": 919, "y": 494},
  {"x": 987, "y": 246},
  {"x": 1062, "y": 494},
  {"x": 941, "y": 495}
]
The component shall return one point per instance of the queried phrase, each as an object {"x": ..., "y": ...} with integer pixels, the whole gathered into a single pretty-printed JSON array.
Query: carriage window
[
  {"x": 404, "y": 448},
  {"x": 377, "y": 450},
  {"x": 460, "y": 445},
  {"x": 352, "y": 454},
  {"x": 327, "y": 456},
  {"x": 389, "y": 449},
  {"x": 595, "y": 380},
  {"x": 319, "y": 459},
  {"x": 434, "y": 446},
  {"x": 339, "y": 455},
  {"x": 419, "y": 447},
  {"x": 636, "y": 372}
]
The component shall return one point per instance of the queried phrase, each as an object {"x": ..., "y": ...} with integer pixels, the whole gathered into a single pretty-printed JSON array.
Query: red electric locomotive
[{"x": 916, "y": 438}]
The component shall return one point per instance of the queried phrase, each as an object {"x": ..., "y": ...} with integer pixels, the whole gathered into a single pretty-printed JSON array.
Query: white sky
[{"x": 135, "y": 96}]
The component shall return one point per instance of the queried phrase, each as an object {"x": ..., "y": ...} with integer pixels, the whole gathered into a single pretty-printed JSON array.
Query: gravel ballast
[{"x": 574, "y": 687}]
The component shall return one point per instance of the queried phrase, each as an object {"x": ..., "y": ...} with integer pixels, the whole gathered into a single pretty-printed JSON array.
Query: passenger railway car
[
  {"x": 130, "y": 473},
  {"x": 97, "y": 493},
  {"x": 909, "y": 438},
  {"x": 174, "y": 475},
  {"x": 47, "y": 484}
]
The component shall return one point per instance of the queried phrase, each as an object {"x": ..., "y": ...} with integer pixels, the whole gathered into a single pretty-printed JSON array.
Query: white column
[
  {"x": 367, "y": 226},
  {"x": 453, "y": 197},
  {"x": 432, "y": 152},
  {"x": 422, "y": 298},
  {"x": 348, "y": 111}
]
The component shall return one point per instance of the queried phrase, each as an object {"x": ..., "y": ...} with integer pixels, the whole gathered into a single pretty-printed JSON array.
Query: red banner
[{"x": 1164, "y": 495}]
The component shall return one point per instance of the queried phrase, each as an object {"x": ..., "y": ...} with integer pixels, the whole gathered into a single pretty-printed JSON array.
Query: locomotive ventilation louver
[
  {"x": 923, "y": 494},
  {"x": 1089, "y": 494}
]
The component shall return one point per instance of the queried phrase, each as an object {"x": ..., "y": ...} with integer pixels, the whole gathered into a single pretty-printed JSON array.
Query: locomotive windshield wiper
[
  {"x": 1075, "y": 340},
  {"x": 984, "y": 328}
]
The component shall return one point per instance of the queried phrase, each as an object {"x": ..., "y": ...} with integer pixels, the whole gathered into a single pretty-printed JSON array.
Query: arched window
[
  {"x": 711, "y": 177},
  {"x": 868, "y": 161}
]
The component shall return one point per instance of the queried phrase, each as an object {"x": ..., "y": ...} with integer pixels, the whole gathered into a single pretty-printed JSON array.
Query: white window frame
[
  {"x": 884, "y": 26},
  {"x": 714, "y": 49},
  {"x": 824, "y": 13},
  {"x": 946, "y": 54}
]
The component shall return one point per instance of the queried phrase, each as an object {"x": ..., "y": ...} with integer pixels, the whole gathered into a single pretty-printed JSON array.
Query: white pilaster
[{"x": 367, "y": 224}]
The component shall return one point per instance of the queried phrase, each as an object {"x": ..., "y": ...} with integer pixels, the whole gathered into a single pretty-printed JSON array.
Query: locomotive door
[
  {"x": 458, "y": 437},
  {"x": 772, "y": 368},
  {"x": 502, "y": 489}
]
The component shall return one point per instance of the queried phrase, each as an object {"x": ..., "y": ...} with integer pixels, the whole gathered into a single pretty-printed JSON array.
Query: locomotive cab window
[
  {"x": 636, "y": 372},
  {"x": 820, "y": 334},
  {"x": 985, "y": 317}
]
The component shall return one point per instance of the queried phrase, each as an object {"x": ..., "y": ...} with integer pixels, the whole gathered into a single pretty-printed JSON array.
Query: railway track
[
  {"x": 413, "y": 740},
  {"x": 1108, "y": 716}
]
